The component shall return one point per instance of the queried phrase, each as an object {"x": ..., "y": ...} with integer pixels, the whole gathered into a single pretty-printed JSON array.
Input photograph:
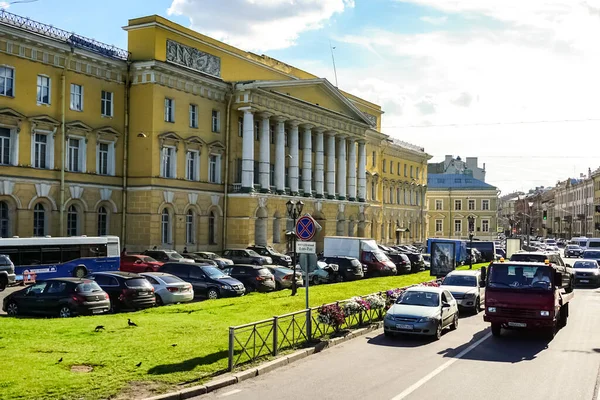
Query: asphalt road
[{"x": 465, "y": 364}]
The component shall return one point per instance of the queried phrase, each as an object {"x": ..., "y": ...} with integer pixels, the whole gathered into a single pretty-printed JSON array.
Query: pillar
[
  {"x": 264, "y": 163},
  {"x": 294, "y": 160},
  {"x": 248, "y": 151},
  {"x": 330, "y": 165},
  {"x": 280, "y": 156},
  {"x": 307, "y": 161},
  {"x": 341, "y": 169},
  {"x": 319, "y": 165},
  {"x": 351, "y": 170},
  {"x": 362, "y": 172}
]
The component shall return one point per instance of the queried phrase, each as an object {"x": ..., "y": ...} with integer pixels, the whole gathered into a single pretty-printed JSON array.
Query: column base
[
  {"x": 281, "y": 192},
  {"x": 330, "y": 197},
  {"x": 309, "y": 194},
  {"x": 294, "y": 194},
  {"x": 352, "y": 198},
  {"x": 319, "y": 196},
  {"x": 247, "y": 190},
  {"x": 341, "y": 197},
  {"x": 265, "y": 191},
  {"x": 362, "y": 200}
]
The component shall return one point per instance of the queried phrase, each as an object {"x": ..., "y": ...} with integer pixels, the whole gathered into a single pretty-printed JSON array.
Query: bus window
[
  {"x": 51, "y": 255},
  {"x": 13, "y": 254},
  {"x": 93, "y": 250},
  {"x": 70, "y": 253},
  {"x": 30, "y": 256}
]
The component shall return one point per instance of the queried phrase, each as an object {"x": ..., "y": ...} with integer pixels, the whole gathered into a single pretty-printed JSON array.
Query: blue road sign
[{"x": 306, "y": 228}]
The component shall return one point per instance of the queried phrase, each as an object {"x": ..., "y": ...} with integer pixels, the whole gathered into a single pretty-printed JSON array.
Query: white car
[
  {"x": 168, "y": 288},
  {"x": 466, "y": 289}
]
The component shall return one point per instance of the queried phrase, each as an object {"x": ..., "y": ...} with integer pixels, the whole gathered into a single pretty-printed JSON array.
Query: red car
[{"x": 139, "y": 263}]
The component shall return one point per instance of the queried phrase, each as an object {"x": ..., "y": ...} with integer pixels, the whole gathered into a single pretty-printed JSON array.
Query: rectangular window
[
  {"x": 391, "y": 167},
  {"x": 193, "y": 116},
  {"x": 374, "y": 159},
  {"x": 457, "y": 205},
  {"x": 398, "y": 169},
  {"x": 457, "y": 226},
  {"x": 485, "y": 225},
  {"x": 405, "y": 169},
  {"x": 214, "y": 168},
  {"x": 439, "y": 225},
  {"x": 43, "y": 89},
  {"x": 383, "y": 167},
  {"x": 75, "y": 160},
  {"x": 7, "y": 81},
  {"x": 40, "y": 151},
  {"x": 106, "y": 104},
  {"x": 439, "y": 205},
  {"x": 4, "y": 146},
  {"x": 411, "y": 172},
  {"x": 169, "y": 110},
  {"x": 76, "y": 97},
  {"x": 168, "y": 162},
  {"x": 241, "y": 126},
  {"x": 373, "y": 191},
  {"x": 471, "y": 205},
  {"x": 191, "y": 166},
  {"x": 417, "y": 174},
  {"x": 485, "y": 205},
  {"x": 103, "y": 158},
  {"x": 216, "y": 121}
]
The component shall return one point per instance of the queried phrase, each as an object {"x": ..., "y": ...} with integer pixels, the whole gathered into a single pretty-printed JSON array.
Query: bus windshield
[{"x": 521, "y": 277}]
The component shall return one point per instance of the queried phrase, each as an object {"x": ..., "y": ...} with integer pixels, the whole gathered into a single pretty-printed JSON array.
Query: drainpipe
[
  {"x": 62, "y": 142},
  {"x": 450, "y": 223},
  {"x": 125, "y": 158},
  {"x": 227, "y": 151}
]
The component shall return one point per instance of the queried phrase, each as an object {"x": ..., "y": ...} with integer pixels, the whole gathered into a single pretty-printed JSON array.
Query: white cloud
[
  {"x": 258, "y": 25},
  {"x": 4, "y": 5},
  {"x": 434, "y": 20}
]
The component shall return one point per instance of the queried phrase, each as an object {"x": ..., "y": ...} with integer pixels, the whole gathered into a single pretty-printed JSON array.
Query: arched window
[
  {"x": 405, "y": 199},
  {"x": 39, "y": 220},
  {"x": 212, "y": 228},
  {"x": 391, "y": 195},
  {"x": 165, "y": 227},
  {"x": 4, "y": 223},
  {"x": 102, "y": 221},
  {"x": 276, "y": 230},
  {"x": 189, "y": 227},
  {"x": 398, "y": 196},
  {"x": 72, "y": 221}
]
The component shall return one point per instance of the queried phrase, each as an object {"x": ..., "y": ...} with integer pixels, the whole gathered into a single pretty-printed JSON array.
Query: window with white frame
[
  {"x": 212, "y": 228},
  {"x": 76, "y": 154},
  {"x": 4, "y": 220},
  {"x": 391, "y": 199},
  {"x": 193, "y": 116},
  {"x": 105, "y": 158},
  {"x": 405, "y": 169},
  {"x": 457, "y": 205},
  {"x": 189, "y": 227},
  {"x": 383, "y": 166},
  {"x": 72, "y": 221},
  {"x": 439, "y": 225},
  {"x": 485, "y": 225},
  {"x": 411, "y": 171},
  {"x": 43, "y": 89},
  {"x": 216, "y": 121},
  {"x": 241, "y": 126},
  {"x": 457, "y": 225},
  {"x": 397, "y": 195},
  {"x": 169, "y": 110},
  {"x": 42, "y": 150},
  {"x": 165, "y": 227},
  {"x": 485, "y": 205},
  {"x": 192, "y": 166},
  {"x": 471, "y": 205},
  {"x": 7, "y": 81},
  {"x": 5, "y": 146},
  {"x": 39, "y": 220},
  {"x": 374, "y": 159},
  {"x": 168, "y": 162},
  {"x": 76, "y": 97},
  {"x": 106, "y": 104},
  {"x": 373, "y": 191},
  {"x": 102, "y": 221},
  {"x": 214, "y": 168}
]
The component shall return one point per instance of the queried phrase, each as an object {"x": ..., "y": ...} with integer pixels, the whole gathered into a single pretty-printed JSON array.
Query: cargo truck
[{"x": 363, "y": 249}]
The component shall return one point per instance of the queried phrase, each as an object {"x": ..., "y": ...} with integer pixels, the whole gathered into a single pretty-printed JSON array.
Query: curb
[{"x": 228, "y": 380}]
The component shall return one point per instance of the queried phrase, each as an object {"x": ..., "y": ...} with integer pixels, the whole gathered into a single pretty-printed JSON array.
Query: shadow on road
[
  {"x": 399, "y": 341},
  {"x": 188, "y": 365}
]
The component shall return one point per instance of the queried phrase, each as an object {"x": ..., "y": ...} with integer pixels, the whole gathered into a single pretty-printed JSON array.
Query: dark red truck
[{"x": 527, "y": 295}]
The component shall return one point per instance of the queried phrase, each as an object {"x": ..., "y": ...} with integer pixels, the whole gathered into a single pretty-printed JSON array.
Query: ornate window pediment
[
  {"x": 107, "y": 133},
  {"x": 194, "y": 143},
  {"x": 78, "y": 126},
  {"x": 9, "y": 113},
  {"x": 216, "y": 147},
  {"x": 43, "y": 122},
  {"x": 169, "y": 139}
]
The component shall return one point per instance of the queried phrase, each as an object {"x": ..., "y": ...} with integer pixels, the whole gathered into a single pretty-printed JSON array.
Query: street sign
[
  {"x": 306, "y": 247},
  {"x": 306, "y": 227}
]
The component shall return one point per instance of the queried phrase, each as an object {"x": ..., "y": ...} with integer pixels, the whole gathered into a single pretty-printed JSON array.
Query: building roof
[{"x": 456, "y": 181}]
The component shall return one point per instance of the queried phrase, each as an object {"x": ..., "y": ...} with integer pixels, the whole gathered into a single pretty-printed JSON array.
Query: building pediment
[
  {"x": 458, "y": 215},
  {"x": 44, "y": 120},
  {"x": 10, "y": 113},
  {"x": 78, "y": 126},
  {"x": 107, "y": 133},
  {"x": 216, "y": 147}
]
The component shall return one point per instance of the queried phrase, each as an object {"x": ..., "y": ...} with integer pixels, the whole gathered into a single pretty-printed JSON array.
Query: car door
[
  {"x": 51, "y": 297},
  {"x": 199, "y": 281},
  {"x": 32, "y": 301},
  {"x": 447, "y": 312},
  {"x": 480, "y": 290}
]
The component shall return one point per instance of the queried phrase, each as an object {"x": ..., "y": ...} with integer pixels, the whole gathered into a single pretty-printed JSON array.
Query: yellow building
[
  {"x": 184, "y": 141},
  {"x": 596, "y": 179}
]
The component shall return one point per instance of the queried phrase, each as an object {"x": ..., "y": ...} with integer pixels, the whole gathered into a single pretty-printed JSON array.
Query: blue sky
[{"x": 471, "y": 78}]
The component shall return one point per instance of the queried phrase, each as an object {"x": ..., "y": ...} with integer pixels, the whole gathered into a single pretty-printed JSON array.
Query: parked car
[
  {"x": 127, "y": 291},
  {"x": 473, "y": 254},
  {"x": 208, "y": 282},
  {"x": 587, "y": 272},
  {"x": 417, "y": 263},
  {"x": 427, "y": 260},
  {"x": 349, "y": 268},
  {"x": 267, "y": 251},
  {"x": 591, "y": 255},
  {"x": 466, "y": 289},
  {"x": 169, "y": 289},
  {"x": 422, "y": 310},
  {"x": 319, "y": 271},
  {"x": 139, "y": 263},
  {"x": 62, "y": 297},
  {"x": 254, "y": 277},
  {"x": 167, "y": 256},
  {"x": 199, "y": 260},
  {"x": 283, "y": 277},
  {"x": 573, "y": 250},
  {"x": 7, "y": 272},
  {"x": 500, "y": 253},
  {"x": 207, "y": 255},
  {"x": 246, "y": 256},
  {"x": 402, "y": 262}
]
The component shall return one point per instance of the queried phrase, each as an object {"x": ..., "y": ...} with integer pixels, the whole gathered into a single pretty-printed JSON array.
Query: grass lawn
[{"x": 30, "y": 348}]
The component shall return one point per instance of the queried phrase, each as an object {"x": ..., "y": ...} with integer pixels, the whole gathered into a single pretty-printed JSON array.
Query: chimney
[
  {"x": 447, "y": 160},
  {"x": 472, "y": 162}
]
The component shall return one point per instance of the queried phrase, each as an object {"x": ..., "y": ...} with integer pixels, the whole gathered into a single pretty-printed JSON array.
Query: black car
[
  {"x": 247, "y": 256},
  {"x": 402, "y": 262},
  {"x": 62, "y": 297},
  {"x": 572, "y": 250},
  {"x": 417, "y": 262},
  {"x": 267, "y": 251},
  {"x": 254, "y": 277},
  {"x": 199, "y": 259},
  {"x": 349, "y": 268},
  {"x": 208, "y": 282},
  {"x": 127, "y": 291}
]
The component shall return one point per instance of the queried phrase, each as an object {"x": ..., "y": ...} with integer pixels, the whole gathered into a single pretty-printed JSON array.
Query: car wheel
[
  {"x": 278, "y": 286},
  {"x": 454, "y": 325},
  {"x": 65, "y": 312},
  {"x": 12, "y": 309},
  {"x": 79, "y": 272},
  {"x": 159, "y": 300},
  {"x": 496, "y": 330},
  {"x": 314, "y": 280},
  {"x": 212, "y": 294},
  {"x": 388, "y": 333},
  {"x": 438, "y": 331},
  {"x": 477, "y": 305}
]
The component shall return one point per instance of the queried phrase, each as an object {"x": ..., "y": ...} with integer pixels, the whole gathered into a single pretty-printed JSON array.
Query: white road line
[
  {"x": 439, "y": 369},
  {"x": 231, "y": 392}
]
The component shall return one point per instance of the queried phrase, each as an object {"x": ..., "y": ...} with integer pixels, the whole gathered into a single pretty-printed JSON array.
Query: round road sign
[{"x": 306, "y": 228}]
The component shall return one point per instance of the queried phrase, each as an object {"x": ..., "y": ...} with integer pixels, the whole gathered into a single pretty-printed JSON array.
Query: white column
[
  {"x": 331, "y": 165},
  {"x": 280, "y": 156},
  {"x": 341, "y": 169},
  {"x": 294, "y": 160},
  {"x": 264, "y": 163},
  {"x": 362, "y": 171},
  {"x": 307, "y": 161},
  {"x": 351, "y": 170},
  {"x": 248, "y": 152},
  {"x": 319, "y": 165}
]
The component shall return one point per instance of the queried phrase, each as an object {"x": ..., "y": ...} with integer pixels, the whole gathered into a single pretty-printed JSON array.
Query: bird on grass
[
  {"x": 99, "y": 328},
  {"x": 189, "y": 312},
  {"x": 138, "y": 364},
  {"x": 59, "y": 360},
  {"x": 131, "y": 323},
  {"x": 174, "y": 345}
]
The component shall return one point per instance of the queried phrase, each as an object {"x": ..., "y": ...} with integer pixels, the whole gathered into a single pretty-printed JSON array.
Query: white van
[
  {"x": 593, "y": 244},
  {"x": 579, "y": 241}
]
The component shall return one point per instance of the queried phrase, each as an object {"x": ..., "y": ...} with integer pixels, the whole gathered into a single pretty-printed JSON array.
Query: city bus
[{"x": 59, "y": 257}]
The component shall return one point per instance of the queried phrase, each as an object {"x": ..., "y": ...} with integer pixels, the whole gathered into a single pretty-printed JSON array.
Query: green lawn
[{"x": 30, "y": 348}]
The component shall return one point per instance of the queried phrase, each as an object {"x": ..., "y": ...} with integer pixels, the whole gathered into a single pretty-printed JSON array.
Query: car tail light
[
  {"x": 287, "y": 277},
  {"x": 260, "y": 278},
  {"x": 173, "y": 289},
  {"x": 106, "y": 296},
  {"x": 77, "y": 298}
]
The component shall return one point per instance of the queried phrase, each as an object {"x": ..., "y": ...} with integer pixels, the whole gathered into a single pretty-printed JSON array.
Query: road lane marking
[
  {"x": 439, "y": 369},
  {"x": 231, "y": 392}
]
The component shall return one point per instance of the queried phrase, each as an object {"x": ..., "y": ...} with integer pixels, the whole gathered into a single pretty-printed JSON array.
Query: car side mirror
[
  {"x": 445, "y": 305},
  {"x": 569, "y": 265},
  {"x": 138, "y": 262}
]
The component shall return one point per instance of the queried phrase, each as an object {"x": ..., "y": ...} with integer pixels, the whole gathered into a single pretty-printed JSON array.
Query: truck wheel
[
  {"x": 549, "y": 333},
  {"x": 496, "y": 330}
]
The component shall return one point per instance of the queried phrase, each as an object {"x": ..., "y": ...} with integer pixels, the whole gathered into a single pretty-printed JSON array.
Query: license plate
[
  {"x": 404, "y": 326},
  {"x": 584, "y": 281},
  {"x": 142, "y": 293},
  {"x": 97, "y": 311},
  {"x": 517, "y": 324}
]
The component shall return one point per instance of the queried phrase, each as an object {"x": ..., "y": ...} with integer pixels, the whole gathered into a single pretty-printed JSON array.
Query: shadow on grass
[{"x": 189, "y": 365}]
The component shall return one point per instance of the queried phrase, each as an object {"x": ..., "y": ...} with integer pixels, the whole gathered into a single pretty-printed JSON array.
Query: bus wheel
[{"x": 79, "y": 272}]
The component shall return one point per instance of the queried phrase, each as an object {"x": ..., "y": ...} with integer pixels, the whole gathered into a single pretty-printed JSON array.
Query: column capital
[
  {"x": 293, "y": 123},
  {"x": 342, "y": 136},
  {"x": 248, "y": 109},
  {"x": 350, "y": 139},
  {"x": 330, "y": 133},
  {"x": 279, "y": 118},
  {"x": 265, "y": 115},
  {"x": 361, "y": 141},
  {"x": 307, "y": 126},
  {"x": 320, "y": 129}
]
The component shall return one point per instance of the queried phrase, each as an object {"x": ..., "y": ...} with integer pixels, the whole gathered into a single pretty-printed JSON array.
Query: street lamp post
[
  {"x": 528, "y": 225},
  {"x": 398, "y": 235},
  {"x": 294, "y": 210},
  {"x": 471, "y": 221}
]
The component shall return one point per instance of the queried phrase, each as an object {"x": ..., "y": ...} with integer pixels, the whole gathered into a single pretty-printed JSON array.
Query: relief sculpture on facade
[{"x": 193, "y": 58}]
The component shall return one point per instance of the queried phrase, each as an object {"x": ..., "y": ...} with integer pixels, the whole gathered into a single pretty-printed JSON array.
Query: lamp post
[
  {"x": 528, "y": 225},
  {"x": 471, "y": 222},
  {"x": 294, "y": 209},
  {"x": 398, "y": 235}
]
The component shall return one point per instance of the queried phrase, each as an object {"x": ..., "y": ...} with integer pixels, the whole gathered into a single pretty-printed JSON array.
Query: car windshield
[
  {"x": 591, "y": 254},
  {"x": 148, "y": 259},
  {"x": 460, "y": 280},
  {"x": 418, "y": 298},
  {"x": 320, "y": 264},
  {"x": 175, "y": 255},
  {"x": 379, "y": 256},
  {"x": 137, "y": 282},
  {"x": 86, "y": 287},
  {"x": 572, "y": 247},
  {"x": 585, "y": 264},
  {"x": 170, "y": 279},
  {"x": 253, "y": 253},
  {"x": 213, "y": 272},
  {"x": 528, "y": 257},
  {"x": 520, "y": 277}
]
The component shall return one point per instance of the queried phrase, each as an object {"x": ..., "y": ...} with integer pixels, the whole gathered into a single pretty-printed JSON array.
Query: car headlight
[
  {"x": 427, "y": 319},
  {"x": 545, "y": 313},
  {"x": 491, "y": 309},
  {"x": 470, "y": 296},
  {"x": 389, "y": 317},
  {"x": 225, "y": 287}
]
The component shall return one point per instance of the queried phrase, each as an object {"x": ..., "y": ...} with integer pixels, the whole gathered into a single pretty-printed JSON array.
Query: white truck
[{"x": 363, "y": 249}]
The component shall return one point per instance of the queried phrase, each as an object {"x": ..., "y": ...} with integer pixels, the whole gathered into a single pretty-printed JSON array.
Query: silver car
[
  {"x": 466, "y": 289},
  {"x": 422, "y": 310},
  {"x": 168, "y": 288}
]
